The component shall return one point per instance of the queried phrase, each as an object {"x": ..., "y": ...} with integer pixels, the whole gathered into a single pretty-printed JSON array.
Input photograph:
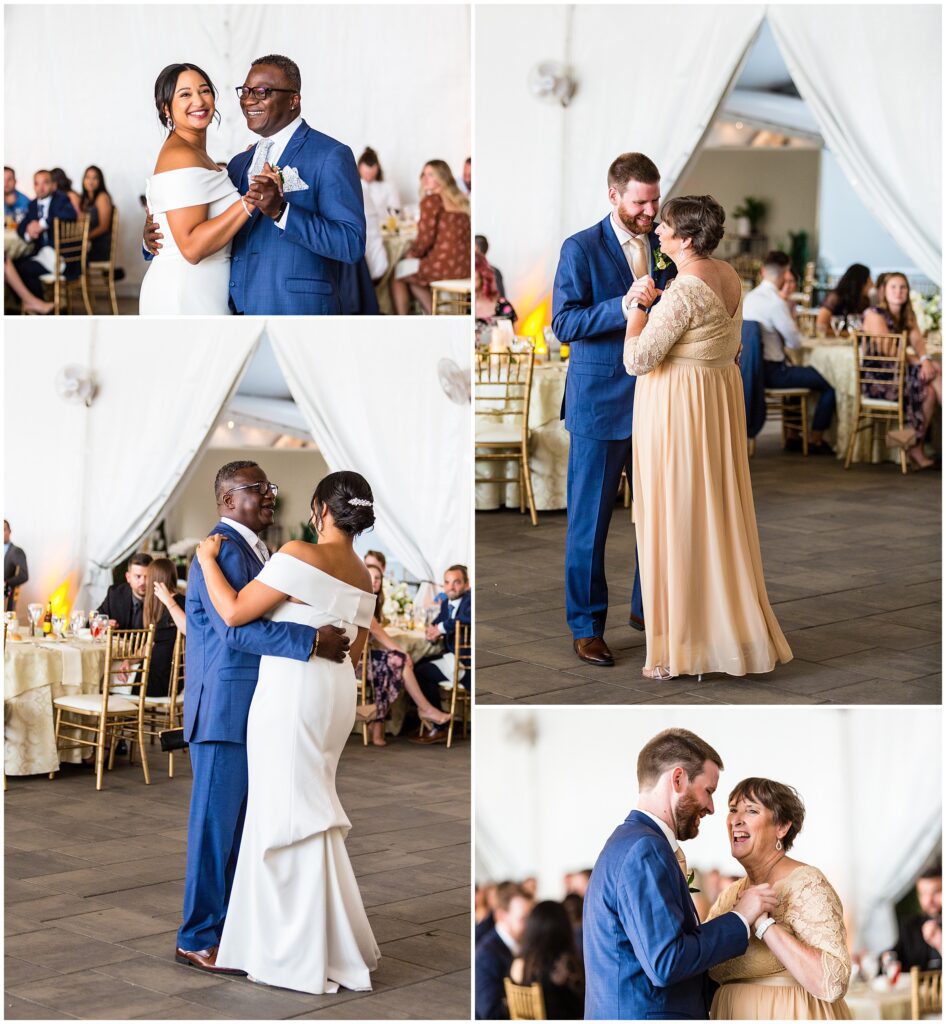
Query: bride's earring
[{"x": 778, "y": 844}]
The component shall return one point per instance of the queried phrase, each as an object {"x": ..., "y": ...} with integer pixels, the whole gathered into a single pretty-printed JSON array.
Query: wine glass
[
  {"x": 59, "y": 626},
  {"x": 77, "y": 620},
  {"x": 36, "y": 615}
]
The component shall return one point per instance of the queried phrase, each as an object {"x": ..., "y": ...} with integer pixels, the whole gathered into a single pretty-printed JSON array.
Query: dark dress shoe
[
  {"x": 203, "y": 960},
  {"x": 594, "y": 650},
  {"x": 437, "y": 735},
  {"x": 635, "y": 623},
  {"x": 820, "y": 449}
]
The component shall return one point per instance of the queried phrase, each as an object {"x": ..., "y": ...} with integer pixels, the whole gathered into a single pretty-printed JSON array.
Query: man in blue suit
[
  {"x": 222, "y": 668},
  {"x": 288, "y": 258},
  {"x": 601, "y": 270},
  {"x": 646, "y": 952},
  {"x": 37, "y": 227},
  {"x": 497, "y": 948}
]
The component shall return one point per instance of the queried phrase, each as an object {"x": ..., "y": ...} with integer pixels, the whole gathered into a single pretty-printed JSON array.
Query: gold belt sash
[{"x": 687, "y": 361}]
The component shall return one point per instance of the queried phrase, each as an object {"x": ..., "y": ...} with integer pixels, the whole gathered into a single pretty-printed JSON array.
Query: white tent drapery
[
  {"x": 396, "y": 78},
  {"x": 396, "y": 427},
  {"x": 85, "y": 484},
  {"x": 874, "y": 84}
]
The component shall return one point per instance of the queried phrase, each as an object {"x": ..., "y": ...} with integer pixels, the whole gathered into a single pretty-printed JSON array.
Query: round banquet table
[
  {"x": 414, "y": 643},
  {"x": 395, "y": 245},
  {"x": 866, "y": 1003},
  {"x": 548, "y": 448},
  {"x": 13, "y": 246},
  {"x": 35, "y": 672}
]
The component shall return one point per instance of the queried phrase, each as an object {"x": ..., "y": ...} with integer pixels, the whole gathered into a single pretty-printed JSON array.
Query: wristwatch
[
  {"x": 282, "y": 210},
  {"x": 762, "y": 925},
  {"x": 636, "y": 305}
]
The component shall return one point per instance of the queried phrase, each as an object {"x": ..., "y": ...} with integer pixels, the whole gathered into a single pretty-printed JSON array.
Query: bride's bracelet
[{"x": 249, "y": 211}]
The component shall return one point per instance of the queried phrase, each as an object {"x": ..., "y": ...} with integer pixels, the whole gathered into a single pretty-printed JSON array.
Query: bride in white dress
[
  {"x": 193, "y": 202},
  {"x": 295, "y": 917}
]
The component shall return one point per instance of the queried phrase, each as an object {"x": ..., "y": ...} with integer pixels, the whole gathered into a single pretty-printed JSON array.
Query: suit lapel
[
  {"x": 293, "y": 145},
  {"x": 642, "y": 819},
  {"x": 242, "y": 161},
  {"x": 616, "y": 252}
]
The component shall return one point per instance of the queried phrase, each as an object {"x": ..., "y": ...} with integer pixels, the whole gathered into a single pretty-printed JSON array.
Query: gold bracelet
[{"x": 315, "y": 646}]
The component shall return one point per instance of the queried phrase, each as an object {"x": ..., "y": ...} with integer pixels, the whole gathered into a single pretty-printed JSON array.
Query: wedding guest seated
[
  {"x": 377, "y": 558},
  {"x": 376, "y": 256},
  {"x": 549, "y": 956},
  {"x": 63, "y": 184},
  {"x": 920, "y": 942},
  {"x": 483, "y": 910},
  {"x": 848, "y": 299},
  {"x": 390, "y": 670},
  {"x": 491, "y": 305},
  {"x": 574, "y": 906},
  {"x": 923, "y": 385},
  {"x": 765, "y": 305},
  {"x": 384, "y": 194},
  {"x": 14, "y": 203},
  {"x": 443, "y": 239},
  {"x": 466, "y": 181},
  {"x": 162, "y": 606},
  {"x": 577, "y": 882},
  {"x": 496, "y": 950},
  {"x": 96, "y": 204},
  {"x": 15, "y": 569},
  {"x": 124, "y": 602},
  {"x": 789, "y": 288},
  {"x": 24, "y": 274},
  {"x": 435, "y": 669},
  {"x": 481, "y": 243}
]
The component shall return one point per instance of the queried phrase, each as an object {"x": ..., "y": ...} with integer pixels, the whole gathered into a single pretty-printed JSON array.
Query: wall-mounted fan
[
  {"x": 76, "y": 383},
  {"x": 552, "y": 82}
]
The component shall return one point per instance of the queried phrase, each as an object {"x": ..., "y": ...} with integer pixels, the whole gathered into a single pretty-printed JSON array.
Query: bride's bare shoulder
[
  {"x": 305, "y": 552},
  {"x": 175, "y": 156}
]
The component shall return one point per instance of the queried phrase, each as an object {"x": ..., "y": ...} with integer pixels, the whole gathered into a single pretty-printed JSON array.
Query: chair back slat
[
  {"x": 128, "y": 653},
  {"x": 880, "y": 360},
  {"x": 502, "y": 383},
  {"x": 926, "y": 993},
  {"x": 71, "y": 239},
  {"x": 525, "y": 1002}
]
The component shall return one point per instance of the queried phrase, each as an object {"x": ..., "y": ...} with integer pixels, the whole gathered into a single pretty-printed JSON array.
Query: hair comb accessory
[{"x": 363, "y": 502}]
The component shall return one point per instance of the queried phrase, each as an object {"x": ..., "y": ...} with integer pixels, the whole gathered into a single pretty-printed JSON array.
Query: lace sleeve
[
  {"x": 815, "y": 915},
  {"x": 665, "y": 326},
  {"x": 725, "y": 901}
]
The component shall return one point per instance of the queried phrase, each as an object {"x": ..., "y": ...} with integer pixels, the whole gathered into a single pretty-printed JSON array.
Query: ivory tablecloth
[{"x": 35, "y": 672}]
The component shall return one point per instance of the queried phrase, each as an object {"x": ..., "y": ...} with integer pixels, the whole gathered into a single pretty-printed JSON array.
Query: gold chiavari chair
[
  {"x": 100, "y": 274},
  {"x": 163, "y": 713},
  {"x": 790, "y": 405},
  {"x": 926, "y": 994},
  {"x": 114, "y": 714},
  {"x": 364, "y": 685},
  {"x": 451, "y": 298},
  {"x": 807, "y": 322},
  {"x": 70, "y": 242},
  {"x": 525, "y": 1002},
  {"x": 880, "y": 364},
  {"x": 502, "y": 393},
  {"x": 459, "y": 694}
]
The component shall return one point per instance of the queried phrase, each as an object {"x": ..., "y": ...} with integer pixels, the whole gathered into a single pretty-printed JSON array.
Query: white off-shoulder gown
[
  {"x": 171, "y": 285},
  {"x": 295, "y": 917}
]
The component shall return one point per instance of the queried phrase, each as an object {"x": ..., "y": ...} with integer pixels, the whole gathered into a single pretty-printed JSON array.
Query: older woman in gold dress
[{"x": 797, "y": 966}]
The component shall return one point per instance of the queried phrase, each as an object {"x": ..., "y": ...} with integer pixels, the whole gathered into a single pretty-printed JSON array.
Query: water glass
[{"x": 36, "y": 615}]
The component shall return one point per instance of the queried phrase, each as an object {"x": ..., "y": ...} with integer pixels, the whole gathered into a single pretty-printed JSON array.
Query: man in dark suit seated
[
  {"x": 15, "y": 570},
  {"x": 920, "y": 943},
  {"x": 123, "y": 603},
  {"x": 37, "y": 227},
  {"x": 497, "y": 949},
  {"x": 438, "y": 668}
]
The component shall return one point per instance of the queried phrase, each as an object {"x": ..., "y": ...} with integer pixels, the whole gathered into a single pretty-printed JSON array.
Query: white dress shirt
[
  {"x": 508, "y": 940},
  {"x": 376, "y": 256},
  {"x": 674, "y": 845},
  {"x": 623, "y": 236},
  {"x": 248, "y": 535},
  {"x": 454, "y": 605},
  {"x": 764, "y": 305},
  {"x": 280, "y": 140},
  {"x": 384, "y": 196},
  {"x": 42, "y": 214}
]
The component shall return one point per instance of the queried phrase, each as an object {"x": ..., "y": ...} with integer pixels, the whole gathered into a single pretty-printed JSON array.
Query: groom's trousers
[
  {"x": 594, "y": 476},
  {"x": 218, "y": 806}
]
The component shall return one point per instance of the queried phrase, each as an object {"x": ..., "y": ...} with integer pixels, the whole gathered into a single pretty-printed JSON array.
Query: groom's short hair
[
  {"x": 288, "y": 67},
  {"x": 670, "y": 748},
  {"x": 632, "y": 167},
  {"x": 226, "y": 475}
]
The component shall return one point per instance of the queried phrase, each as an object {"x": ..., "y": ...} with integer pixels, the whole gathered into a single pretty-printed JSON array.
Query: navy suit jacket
[
  {"x": 222, "y": 664},
  {"x": 591, "y": 279},
  {"x": 296, "y": 270},
  {"x": 60, "y": 208},
  {"x": 646, "y": 953},
  {"x": 449, "y": 621},
  {"x": 753, "y": 377},
  {"x": 493, "y": 960}
]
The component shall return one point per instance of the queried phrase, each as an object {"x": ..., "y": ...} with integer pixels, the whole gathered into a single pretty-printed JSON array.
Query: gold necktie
[
  {"x": 682, "y": 861},
  {"x": 640, "y": 264}
]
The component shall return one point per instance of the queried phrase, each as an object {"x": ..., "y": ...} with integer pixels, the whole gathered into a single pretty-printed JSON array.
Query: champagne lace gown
[
  {"x": 705, "y": 603},
  {"x": 756, "y": 986},
  {"x": 295, "y": 917}
]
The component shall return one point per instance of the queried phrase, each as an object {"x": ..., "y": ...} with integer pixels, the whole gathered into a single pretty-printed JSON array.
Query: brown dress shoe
[
  {"x": 203, "y": 960},
  {"x": 594, "y": 650},
  {"x": 439, "y": 735}
]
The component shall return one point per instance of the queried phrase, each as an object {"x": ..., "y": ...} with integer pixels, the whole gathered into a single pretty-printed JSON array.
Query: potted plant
[{"x": 749, "y": 215}]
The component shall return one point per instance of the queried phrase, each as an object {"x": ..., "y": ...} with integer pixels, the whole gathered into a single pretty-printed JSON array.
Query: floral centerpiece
[
  {"x": 182, "y": 551},
  {"x": 928, "y": 310},
  {"x": 397, "y": 599}
]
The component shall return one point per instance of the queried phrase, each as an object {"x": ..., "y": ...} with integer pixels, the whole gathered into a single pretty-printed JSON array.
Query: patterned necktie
[
  {"x": 263, "y": 149},
  {"x": 262, "y": 551},
  {"x": 682, "y": 861},
  {"x": 640, "y": 265}
]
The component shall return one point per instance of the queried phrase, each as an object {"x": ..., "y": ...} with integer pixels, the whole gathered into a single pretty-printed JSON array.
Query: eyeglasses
[
  {"x": 263, "y": 487},
  {"x": 260, "y": 92}
]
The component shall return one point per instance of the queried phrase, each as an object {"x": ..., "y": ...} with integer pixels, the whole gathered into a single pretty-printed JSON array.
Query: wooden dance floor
[
  {"x": 852, "y": 566},
  {"x": 94, "y": 883}
]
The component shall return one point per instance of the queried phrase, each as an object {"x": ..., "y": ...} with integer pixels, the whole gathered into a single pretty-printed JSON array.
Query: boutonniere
[
  {"x": 661, "y": 259},
  {"x": 692, "y": 874},
  {"x": 289, "y": 179}
]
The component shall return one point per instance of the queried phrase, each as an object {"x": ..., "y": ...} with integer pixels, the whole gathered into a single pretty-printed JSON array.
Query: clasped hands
[
  {"x": 644, "y": 291},
  {"x": 264, "y": 193},
  {"x": 756, "y": 901}
]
